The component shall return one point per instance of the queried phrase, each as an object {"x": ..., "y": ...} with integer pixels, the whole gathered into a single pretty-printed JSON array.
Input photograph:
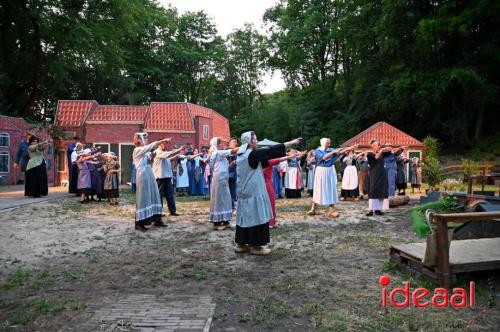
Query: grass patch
[
  {"x": 18, "y": 279},
  {"x": 268, "y": 311},
  {"x": 43, "y": 280},
  {"x": 317, "y": 313},
  {"x": 389, "y": 266}
]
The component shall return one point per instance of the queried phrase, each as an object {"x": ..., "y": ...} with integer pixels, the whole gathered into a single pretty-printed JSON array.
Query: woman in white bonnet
[
  {"x": 325, "y": 177},
  {"x": 148, "y": 208},
  {"x": 254, "y": 208},
  {"x": 221, "y": 205}
]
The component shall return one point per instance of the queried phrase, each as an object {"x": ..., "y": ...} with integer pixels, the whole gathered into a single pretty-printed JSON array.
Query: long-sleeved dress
[
  {"x": 311, "y": 167},
  {"x": 350, "y": 178},
  {"x": 147, "y": 198},
  {"x": 278, "y": 183},
  {"x": 111, "y": 182},
  {"x": 363, "y": 178},
  {"x": 416, "y": 175},
  {"x": 84, "y": 184},
  {"x": 36, "y": 173},
  {"x": 198, "y": 184},
  {"x": 391, "y": 170},
  {"x": 182, "y": 183},
  {"x": 293, "y": 179},
  {"x": 221, "y": 205},
  {"x": 401, "y": 172},
  {"x": 97, "y": 179},
  {"x": 268, "y": 170},
  {"x": 73, "y": 179},
  {"x": 325, "y": 179},
  {"x": 377, "y": 192},
  {"x": 254, "y": 207}
]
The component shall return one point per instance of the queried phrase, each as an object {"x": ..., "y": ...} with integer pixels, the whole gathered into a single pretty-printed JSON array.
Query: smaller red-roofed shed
[{"x": 386, "y": 133}]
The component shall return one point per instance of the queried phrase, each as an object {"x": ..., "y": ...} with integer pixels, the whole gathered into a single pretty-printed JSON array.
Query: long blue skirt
[{"x": 278, "y": 184}]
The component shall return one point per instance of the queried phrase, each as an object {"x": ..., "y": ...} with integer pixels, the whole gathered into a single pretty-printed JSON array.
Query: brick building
[
  {"x": 11, "y": 134},
  {"x": 111, "y": 127}
]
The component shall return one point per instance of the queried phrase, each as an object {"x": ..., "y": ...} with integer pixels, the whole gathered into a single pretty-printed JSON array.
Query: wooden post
[
  {"x": 469, "y": 185},
  {"x": 443, "y": 254}
]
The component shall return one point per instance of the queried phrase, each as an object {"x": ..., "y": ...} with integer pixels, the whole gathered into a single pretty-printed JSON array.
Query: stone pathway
[
  {"x": 13, "y": 196},
  {"x": 145, "y": 313}
]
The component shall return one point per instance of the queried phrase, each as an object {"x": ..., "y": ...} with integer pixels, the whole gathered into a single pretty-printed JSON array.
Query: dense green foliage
[{"x": 428, "y": 67}]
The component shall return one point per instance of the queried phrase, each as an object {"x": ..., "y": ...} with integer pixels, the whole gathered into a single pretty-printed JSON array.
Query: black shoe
[
  {"x": 140, "y": 227},
  {"x": 369, "y": 214},
  {"x": 159, "y": 224},
  {"x": 379, "y": 213},
  {"x": 175, "y": 214}
]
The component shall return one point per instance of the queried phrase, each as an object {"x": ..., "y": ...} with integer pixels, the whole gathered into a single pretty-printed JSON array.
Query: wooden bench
[
  {"x": 443, "y": 255},
  {"x": 467, "y": 255}
]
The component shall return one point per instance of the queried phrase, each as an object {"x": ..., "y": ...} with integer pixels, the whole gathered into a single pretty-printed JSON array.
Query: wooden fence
[{"x": 457, "y": 170}]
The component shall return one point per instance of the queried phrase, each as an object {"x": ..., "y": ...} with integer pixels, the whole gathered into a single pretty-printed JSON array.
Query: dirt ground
[{"x": 58, "y": 257}]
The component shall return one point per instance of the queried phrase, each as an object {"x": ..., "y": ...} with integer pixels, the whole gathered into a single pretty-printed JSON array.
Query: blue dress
[
  {"x": 197, "y": 177},
  {"x": 391, "y": 171},
  {"x": 278, "y": 184}
]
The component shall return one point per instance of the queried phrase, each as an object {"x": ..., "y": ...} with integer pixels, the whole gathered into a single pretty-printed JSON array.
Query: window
[
  {"x": 61, "y": 161},
  {"x": 4, "y": 162},
  {"x": 104, "y": 147},
  {"x": 4, "y": 139},
  {"x": 205, "y": 131}
]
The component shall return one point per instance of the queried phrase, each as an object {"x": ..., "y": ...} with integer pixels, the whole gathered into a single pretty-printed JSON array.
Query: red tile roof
[
  {"x": 73, "y": 113},
  {"x": 158, "y": 117},
  {"x": 197, "y": 110},
  {"x": 169, "y": 117},
  {"x": 220, "y": 126},
  {"x": 385, "y": 133},
  {"x": 119, "y": 113}
]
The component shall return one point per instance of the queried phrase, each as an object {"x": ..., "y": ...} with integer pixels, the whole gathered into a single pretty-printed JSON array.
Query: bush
[
  {"x": 432, "y": 172},
  {"x": 432, "y": 147},
  {"x": 417, "y": 214}
]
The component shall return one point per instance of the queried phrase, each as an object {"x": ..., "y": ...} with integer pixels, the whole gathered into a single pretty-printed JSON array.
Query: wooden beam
[
  {"x": 467, "y": 216},
  {"x": 443, "y": 255}
]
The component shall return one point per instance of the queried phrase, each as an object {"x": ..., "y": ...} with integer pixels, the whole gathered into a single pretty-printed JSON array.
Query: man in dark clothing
[
  {"x": 22, "y": 155},
  {"x": 69, "y": 151}
]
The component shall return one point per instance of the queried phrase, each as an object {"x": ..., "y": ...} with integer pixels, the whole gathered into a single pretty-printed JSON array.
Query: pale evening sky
[{"x": 232, "y": 14}]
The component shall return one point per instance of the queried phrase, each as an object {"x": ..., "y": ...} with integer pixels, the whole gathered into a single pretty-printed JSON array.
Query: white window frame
[
  {"x": 8, "y": 140},
  {"x": 207, "y": 127},
  {"x": 8, "y": 161},
  {"x": 108, "y": 144}
]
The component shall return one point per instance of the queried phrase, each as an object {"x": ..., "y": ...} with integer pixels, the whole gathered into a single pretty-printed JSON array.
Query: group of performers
[
  {"x": 253, "y": 176},
  {"x": 94, "y": 175},
  {"x": 244, "y": 180}
]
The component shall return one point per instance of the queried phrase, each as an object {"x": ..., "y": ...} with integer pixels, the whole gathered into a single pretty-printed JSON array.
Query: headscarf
[
  {"x": 142, "y": 135},
  {"x": 213, "y": 144},
  {"x": 213, "y": 151},
  {"x": 246, "y": 138},
  {"x": 322, "y": 142}
]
